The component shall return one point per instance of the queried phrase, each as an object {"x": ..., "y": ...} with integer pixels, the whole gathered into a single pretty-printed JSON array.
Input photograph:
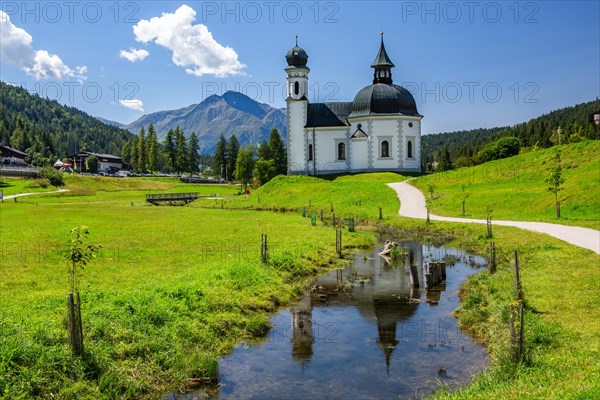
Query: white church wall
[
  {"x": 296, "y": 140},
  {"x": 326, "y": 149},
  {"x": 386, "y": 130},
  {"x": 411, "y": 134}
]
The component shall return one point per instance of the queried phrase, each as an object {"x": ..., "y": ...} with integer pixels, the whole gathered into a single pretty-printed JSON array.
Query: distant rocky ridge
[{"x": 232, "y": 113}]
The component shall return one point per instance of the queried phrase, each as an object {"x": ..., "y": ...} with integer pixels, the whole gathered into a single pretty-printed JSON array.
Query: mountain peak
[{"x": 231, "y": 113}]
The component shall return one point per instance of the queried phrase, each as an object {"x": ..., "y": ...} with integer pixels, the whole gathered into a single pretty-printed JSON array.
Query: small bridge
[{"x": 171, "y": 197}]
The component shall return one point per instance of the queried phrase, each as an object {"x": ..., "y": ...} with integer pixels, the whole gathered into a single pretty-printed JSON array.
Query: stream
[{"x": 361, "y": 332}]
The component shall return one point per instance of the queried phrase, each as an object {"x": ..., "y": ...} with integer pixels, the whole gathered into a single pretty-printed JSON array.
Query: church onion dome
[
  {"x": 383, "y": 99},
  {"x": 296, "y": 56}
]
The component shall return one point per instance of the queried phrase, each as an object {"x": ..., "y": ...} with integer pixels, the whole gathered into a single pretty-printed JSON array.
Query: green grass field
[
  {"x": 173, "y": 288},
  {"x": 176, "y": 287},
  {"x": 514, "y": 187},
  {"x": 10, "y": 186}
]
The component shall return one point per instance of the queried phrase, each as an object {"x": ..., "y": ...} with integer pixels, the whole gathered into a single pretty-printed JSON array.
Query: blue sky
[{"x": 468, "y": 64}]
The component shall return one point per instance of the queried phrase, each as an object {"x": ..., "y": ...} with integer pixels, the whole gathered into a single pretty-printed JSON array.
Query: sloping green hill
[
  {"x": 358, "y": 195},
  {"x": 536, "y": 132},
  {"x": 514, "y": 187}
]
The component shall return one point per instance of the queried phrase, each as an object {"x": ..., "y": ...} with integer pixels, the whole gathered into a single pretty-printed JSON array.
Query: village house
[
  {"x": 107, "y": 163},
  {"x": 11, "y": 156}
]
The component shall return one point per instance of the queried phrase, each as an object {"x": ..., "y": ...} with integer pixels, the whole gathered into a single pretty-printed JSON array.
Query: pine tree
[
  {"x": 220, "y": 157},
  {"x": 278, "y": 152},
  {"x": 264, "y": 151},
  {"x": 142, "y": 159},
  {"x": 134, "y": 157},
  {"x": 445, "y": 162},
  {"x": 181, "y": 163},
  {"x": 171, "y": 150},
  {"x": 151, "y": 149},
  {"x": 193, "y": 157},
  {"x": 233, "y": 148},
  {"x": 126, "y": 152}
]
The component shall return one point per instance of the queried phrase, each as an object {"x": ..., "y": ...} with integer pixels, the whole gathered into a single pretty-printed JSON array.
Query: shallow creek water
[{"x": 362, "y": 332}]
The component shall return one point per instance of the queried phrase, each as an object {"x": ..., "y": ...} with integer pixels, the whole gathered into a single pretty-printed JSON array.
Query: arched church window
[
  {"x": 385, "y": 149},
  {"x": 296, "y": 88},
  {"x": 341, "y": 151},
  {"x": 409, "y": 149},
  {"x": 310, "y": 152}
]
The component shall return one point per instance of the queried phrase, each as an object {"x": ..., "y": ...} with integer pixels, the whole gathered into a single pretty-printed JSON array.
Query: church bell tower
[{"x": 297, "y": 108}]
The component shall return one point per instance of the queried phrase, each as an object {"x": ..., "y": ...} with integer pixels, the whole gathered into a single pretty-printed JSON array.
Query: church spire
[{"x": 382, "y": 65}]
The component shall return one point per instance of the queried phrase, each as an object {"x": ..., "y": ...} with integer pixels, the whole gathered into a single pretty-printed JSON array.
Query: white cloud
[
  {"x": 16, "y": 49},
  {"x": 133, "y": 104},
  {"x": 134, "y": 54},
  {"x": 193, "y": 46}
]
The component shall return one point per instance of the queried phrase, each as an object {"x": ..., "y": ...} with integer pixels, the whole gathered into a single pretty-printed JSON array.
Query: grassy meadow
[
  {"x": 514, "y": 187},
  {"x": 176, "y": 287},
  {"x": 172, "y": 289}
]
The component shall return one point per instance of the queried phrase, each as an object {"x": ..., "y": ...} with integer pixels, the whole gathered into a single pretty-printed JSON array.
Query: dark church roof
[
  {"x": 383, "y": 99},
  {"x": 382, "y": 58},
  {"x": 321, "y": 115}
]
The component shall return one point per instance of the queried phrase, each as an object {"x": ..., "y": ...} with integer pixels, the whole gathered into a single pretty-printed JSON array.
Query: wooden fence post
[
  {"x": 516, "y": 316},
  {"x": 74, "y": 324},
  {"x": 492, "y": 264},
  {"x": 380, "y": 213},
  {"x": 516, "y": 331},
  {"x": 338, "y": 242},
  {"x": 519, "y": 293},
  {"x": 264, "y": 248}
]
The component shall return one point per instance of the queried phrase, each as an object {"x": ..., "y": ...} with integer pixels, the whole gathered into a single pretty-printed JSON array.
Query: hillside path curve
[{"x": 412, "y": 205}]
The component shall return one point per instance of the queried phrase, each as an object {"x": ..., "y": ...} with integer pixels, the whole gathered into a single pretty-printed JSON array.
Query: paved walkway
[
  {"x": 412, "y": 205},
  {"x": 12, "y": 196}
]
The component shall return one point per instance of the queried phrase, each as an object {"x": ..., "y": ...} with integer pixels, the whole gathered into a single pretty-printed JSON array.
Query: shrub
[
  {"x": 38, "y": 183},
  {"x": 54, "y": 177}
]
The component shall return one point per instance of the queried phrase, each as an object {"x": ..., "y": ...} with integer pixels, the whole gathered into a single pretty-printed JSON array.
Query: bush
[
  {"x": 502, "y": 148},
  {"x": 54, "y": 177}
]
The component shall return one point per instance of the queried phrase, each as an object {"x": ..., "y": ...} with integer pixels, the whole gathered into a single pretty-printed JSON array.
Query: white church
[{"x": 380, "y": 130}]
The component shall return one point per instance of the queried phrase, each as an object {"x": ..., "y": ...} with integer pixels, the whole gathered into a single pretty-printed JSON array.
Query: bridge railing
[{"x": 172, "y": 196}]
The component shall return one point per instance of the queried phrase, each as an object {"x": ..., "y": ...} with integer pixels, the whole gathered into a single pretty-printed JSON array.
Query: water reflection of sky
[{"x": 362, "y": 333}]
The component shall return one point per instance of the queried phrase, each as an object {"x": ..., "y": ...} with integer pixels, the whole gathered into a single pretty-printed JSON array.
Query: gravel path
[{"x": 412, "y": 205}]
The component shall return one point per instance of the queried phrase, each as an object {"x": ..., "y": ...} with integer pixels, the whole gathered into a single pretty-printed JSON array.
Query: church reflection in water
[{"x": 380, "y": 291}]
